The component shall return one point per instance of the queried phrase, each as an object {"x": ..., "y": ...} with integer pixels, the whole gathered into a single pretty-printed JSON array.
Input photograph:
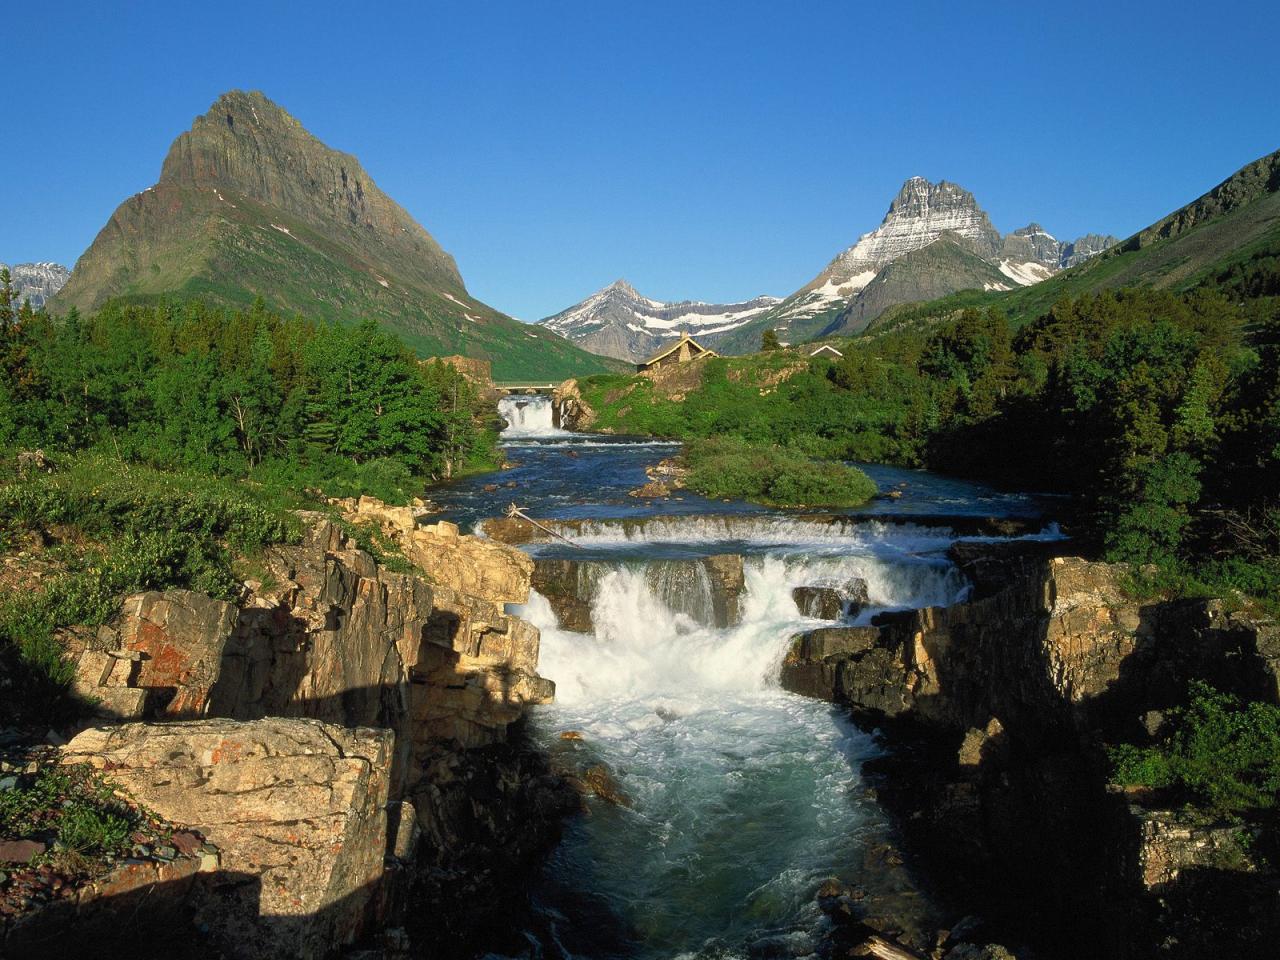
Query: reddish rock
[
  {"x": 187, "y": 842},
  {"x": 20, "y": 851}
]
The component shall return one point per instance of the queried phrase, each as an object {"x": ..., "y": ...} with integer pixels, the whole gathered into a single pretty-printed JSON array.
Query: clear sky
[{"x": 705, "y": 150}]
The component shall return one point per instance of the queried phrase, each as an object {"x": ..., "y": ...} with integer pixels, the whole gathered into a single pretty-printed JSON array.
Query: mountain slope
[
  {"x": 945, "y": 265},
  {"x": 249, "y": 204},
  {"x": 1237, "y": 220},
  {"x": 618, "y": 322},
  {"x": 920, "y": 214},
  {"x": 37, "y": 282}
]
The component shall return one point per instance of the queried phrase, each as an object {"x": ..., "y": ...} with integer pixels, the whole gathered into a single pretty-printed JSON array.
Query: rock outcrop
[
  {"x": 999, "y": 708},
  {"x": 339, "y": 713},
  {"x": 297, "y": 809},
  {"x": 1059, "y": 654},
  {"x": 569, "y": 411}
]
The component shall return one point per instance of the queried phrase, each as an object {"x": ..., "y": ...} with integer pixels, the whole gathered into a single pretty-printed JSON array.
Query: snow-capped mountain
[
  {"x": 37, "y": 282},
  {"x": 922, "y": 213},
  {"x": 619, "y": 322}
]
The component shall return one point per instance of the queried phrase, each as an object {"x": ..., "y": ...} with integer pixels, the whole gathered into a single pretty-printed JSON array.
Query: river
[{"x": 744, "y": 797}]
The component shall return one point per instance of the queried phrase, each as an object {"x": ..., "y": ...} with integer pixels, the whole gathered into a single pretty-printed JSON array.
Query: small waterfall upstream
[
  {"x": 528, "y": 417},
  {"x": 745, "y": 797}
]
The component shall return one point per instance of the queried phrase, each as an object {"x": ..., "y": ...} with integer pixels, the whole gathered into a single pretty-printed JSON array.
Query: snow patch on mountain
[
  {"x": 619, "y": 322},
  {"x": 1025, "y": 274},
  {"x": 37, "y": 282}
]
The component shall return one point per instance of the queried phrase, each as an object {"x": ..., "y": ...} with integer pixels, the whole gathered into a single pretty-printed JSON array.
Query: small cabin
[
  {"x": 682, "y": 351},
  {"x": 828, "y": 351}
]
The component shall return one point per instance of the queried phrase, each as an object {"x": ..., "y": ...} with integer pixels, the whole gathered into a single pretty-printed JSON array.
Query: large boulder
[
  {"x": 470, "y": 565},
  {"x": 297, "y": 809},
  {"x": 820, "y": 603}
]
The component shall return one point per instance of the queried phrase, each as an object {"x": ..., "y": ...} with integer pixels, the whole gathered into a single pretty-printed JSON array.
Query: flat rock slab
[{"x": 296, "y": 807}]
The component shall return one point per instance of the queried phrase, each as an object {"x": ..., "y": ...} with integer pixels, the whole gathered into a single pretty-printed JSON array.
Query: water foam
[
  {"x": 745, "y": 796},
  {"x": 528, "y": 416}
]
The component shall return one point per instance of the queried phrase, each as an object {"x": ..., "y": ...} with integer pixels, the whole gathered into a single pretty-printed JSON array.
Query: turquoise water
[{"x": 744, "y": 798}]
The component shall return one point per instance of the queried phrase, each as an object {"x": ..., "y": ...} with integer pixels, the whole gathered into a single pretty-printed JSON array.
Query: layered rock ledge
[
  {"x": 998, "y": 710},
  {"x": 346, "y": 736}
]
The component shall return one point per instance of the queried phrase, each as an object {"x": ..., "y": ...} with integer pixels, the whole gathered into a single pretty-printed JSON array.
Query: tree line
[
  {"x": 343, "y": 408},
  {"x": 1158, "y": 412}
]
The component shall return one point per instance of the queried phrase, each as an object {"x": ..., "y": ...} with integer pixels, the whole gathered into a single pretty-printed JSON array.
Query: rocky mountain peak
[
  {"x": 1033, "y": 229},
  {"x": 920, "y": 213},
  {"x": 37, "y": 282},
  {"x": 920, "y": 199},
  {"x": 247, "y": 147},
  {"x": 621, "y": 286}
]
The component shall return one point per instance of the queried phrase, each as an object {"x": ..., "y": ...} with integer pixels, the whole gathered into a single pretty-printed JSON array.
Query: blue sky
[{"x": 702, "y": 150}]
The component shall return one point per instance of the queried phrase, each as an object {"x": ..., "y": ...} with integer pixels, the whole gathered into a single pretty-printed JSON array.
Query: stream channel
[{"x": 743, "y": 797}]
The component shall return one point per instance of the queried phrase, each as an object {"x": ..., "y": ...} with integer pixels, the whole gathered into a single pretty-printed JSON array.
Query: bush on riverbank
[
  {"x": 773, "y": 475},
  {"x": 96, "y": 529},
  {"x": 1221, "y": 753}
]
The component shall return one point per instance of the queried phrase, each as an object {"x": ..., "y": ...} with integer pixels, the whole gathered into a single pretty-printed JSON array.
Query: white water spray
[
  {"x": 648, "y": 646},
  {"x": 528, "y": 417},
  {"x": 745, "y": 796}
]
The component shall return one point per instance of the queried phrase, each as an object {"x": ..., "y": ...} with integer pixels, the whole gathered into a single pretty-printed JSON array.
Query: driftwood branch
[
  {"x": 885, "y": 950},
  {"x": 514, "y": 511}
]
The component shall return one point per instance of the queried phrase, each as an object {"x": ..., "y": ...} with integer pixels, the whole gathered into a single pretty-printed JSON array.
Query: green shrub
[
  {"x": 75, "y": 804},
  {"x": 726, "y": 468},
  {"x": 1222, "y": 753}
]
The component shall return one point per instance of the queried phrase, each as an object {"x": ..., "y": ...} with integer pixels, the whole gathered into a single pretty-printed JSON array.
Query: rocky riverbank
[
  {"x": 998, "y": 711},
  {"x": 345, "y": 739}
]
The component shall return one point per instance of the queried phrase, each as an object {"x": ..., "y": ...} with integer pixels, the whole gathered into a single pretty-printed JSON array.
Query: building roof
[
  {"x": 684, "y": 338},
  {"x": 827, "y": 348}
]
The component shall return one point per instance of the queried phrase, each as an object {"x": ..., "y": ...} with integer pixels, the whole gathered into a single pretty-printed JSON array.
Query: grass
[
  {"x": 103, "y": 529},
  {"x": 76, "y": 811},
  {"x": 727, "y": 468}
]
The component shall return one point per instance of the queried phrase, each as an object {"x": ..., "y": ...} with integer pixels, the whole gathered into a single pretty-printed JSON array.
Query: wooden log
[
  {"x": 514, "y": 511},
  {"x": 885, "y": 950}
]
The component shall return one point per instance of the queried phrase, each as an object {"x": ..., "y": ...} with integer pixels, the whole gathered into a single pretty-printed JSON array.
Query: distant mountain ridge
[
  {"x": 933, "y": 241},
  {"x": 851, "y": 291},
  {"x": 1233, "y": 225},
  {"x": 249, "y": 204},
  {"x": 37, "y": 282},
  {"x": 618, "y": 322}
]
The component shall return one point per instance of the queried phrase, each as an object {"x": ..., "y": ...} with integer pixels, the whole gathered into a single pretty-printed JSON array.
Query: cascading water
[
  {"x": 528, "y": 417},
  {"x": 745, "y": 797}
]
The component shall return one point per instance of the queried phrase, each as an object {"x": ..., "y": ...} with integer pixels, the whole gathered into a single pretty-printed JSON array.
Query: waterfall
[
  {"x": 528, "y": 417},
  {"x": 744, "y": 797},
  {"x": 654, "y": 634}
]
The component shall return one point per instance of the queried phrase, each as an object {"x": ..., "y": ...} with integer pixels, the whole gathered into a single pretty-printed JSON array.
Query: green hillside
[
  {"x": 1231, "y": 230},
  {"x": 250, "y": 205}
]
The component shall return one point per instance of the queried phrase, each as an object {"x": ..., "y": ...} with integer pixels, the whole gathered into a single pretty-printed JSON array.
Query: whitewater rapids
[{"x": 746, "y": 797}]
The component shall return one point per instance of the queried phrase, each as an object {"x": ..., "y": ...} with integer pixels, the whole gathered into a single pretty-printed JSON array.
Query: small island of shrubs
[{"x": 725, "y": 467}]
